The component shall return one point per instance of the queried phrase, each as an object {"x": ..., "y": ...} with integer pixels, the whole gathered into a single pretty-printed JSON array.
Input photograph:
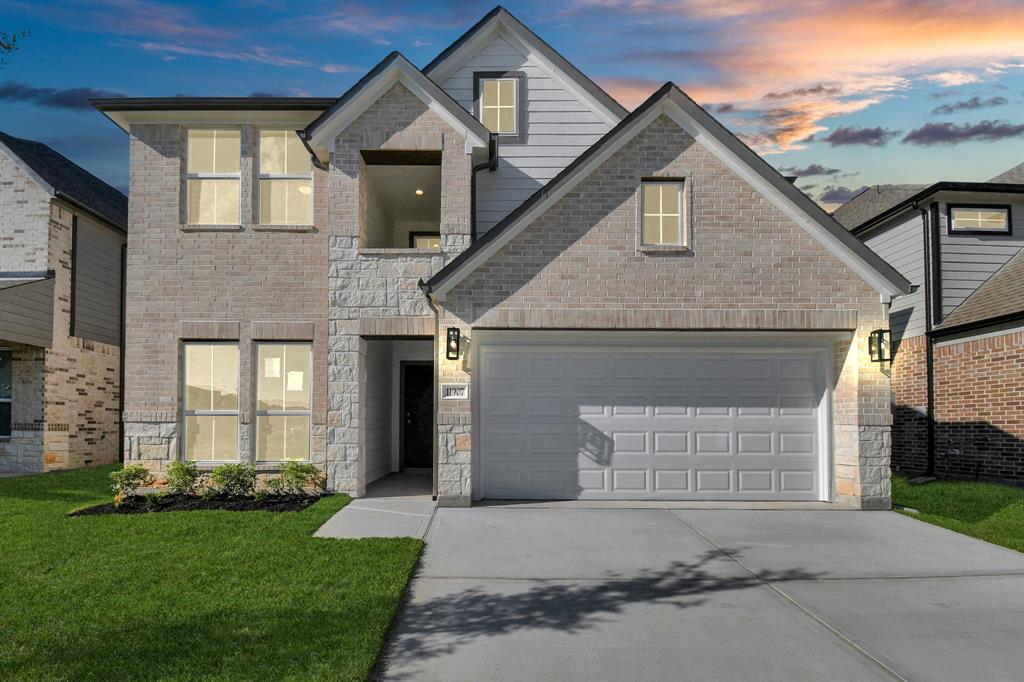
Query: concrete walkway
[
  {"x": 398, "y": 505},
  {"x": 644, "y": 594}
]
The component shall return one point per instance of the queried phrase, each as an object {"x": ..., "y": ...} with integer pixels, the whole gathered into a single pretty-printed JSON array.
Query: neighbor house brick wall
[
  {"x": 910, "y": 405},
  {"x": 979, "y": 408},
  {"x": 367, "y": 283},
  {"x": 750, "y": 267},
  {"x": 24, "y": 215},
  {"x": 243, "y": 283}
]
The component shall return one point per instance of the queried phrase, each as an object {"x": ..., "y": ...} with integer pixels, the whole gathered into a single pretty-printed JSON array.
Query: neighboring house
[
  {"x": 489, "y": 270},
  {"x": 957, "y": 372},
  {"x": 62, "y": 237}
]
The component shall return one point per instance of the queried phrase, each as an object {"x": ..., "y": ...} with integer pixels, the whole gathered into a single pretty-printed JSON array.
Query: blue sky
[{"x": 844, "y": 93}]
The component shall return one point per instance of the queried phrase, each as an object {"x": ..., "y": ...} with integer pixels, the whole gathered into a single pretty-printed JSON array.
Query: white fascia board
[
  {"x": 524, "y": 221},
  {"x": 38, "y": 179},
  {"x": 779, "y": 200},
  {"x": 396, "y": 73}
]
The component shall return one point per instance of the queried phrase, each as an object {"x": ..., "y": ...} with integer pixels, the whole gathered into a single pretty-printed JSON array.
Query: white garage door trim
[{"x": 773, "y": 343}]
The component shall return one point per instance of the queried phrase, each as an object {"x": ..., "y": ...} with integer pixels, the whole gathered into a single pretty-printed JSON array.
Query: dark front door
[{"x": 417, "y": 414}]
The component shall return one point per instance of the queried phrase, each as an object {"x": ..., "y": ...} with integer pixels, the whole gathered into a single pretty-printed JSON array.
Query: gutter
[
  {"x": 977, "y": 324},
  {"x": 317, "y": 163}
]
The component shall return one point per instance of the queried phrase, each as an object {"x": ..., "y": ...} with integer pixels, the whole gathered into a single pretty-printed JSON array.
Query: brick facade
[
  {"x": 749, "y": 268},
  {"x": 910, "y": 405},
  {"x": 65, "y": 398}
]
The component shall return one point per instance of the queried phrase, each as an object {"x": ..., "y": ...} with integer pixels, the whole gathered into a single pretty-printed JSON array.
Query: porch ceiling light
[
  {"x": 452, "y": 347},
  {"x": 880, "y": 346},
  {"x": 419, "y": 192}
]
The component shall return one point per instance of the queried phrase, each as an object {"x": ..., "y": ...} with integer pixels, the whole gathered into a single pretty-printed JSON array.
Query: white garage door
[{"x": 580, "y": 421}]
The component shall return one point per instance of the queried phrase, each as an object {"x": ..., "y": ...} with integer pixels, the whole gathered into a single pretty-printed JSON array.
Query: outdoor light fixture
[
  {"x": 452, "y": 349},
  {"x": 879, "y": 346},
  {"x": 419, "y": 192}
]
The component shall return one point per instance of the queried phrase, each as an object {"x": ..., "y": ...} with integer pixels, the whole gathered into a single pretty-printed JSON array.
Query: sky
[{"x": 842, "y": 93}]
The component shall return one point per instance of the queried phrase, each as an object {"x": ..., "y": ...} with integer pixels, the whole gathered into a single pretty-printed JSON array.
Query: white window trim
[
  {"x": 257, "y": 413},
  {"x": 682, "y": 185},
  {"x": 10, "y": 401},
  {"x": 284, "y": 176},
  {"x": 213, "y": 176},
  {"x": 499, "y": 106},
  {"x": 236, "y": 413}
]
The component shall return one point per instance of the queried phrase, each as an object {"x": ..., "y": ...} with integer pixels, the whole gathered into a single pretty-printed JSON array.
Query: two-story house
[
  {"x": 62, "y": 237},
  {"x": 488, "y": 269},
  {"x": 957, "y": 372}
]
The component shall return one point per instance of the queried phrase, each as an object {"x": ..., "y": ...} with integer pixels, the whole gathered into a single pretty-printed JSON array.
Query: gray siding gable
[
  {"x": 559, "y": 126},
  {"x": 902, "y": 246},
  {"x": 96, "y": 312}
]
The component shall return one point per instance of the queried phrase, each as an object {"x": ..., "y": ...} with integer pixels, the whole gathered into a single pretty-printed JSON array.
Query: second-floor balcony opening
[{"x": 400, "y": 193}]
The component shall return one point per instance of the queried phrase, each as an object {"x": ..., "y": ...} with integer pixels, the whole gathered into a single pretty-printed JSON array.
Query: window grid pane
[
  {"x": 283, "y": 401},
  {"x": 499, "y": 105},
  {"x": 984, "y": 219},
  {"x": 211, "y": 402},
  {"x": 662, "y": 214},
  {"x": 284, "y": 198}
]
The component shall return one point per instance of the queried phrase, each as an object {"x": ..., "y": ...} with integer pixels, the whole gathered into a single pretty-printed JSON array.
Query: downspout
[
  {"x": 929, "y": 349},
  {"x": 437, "y": 350},
  {"x": 121, "y": 372},
  {"x": 490, "y": 164}
]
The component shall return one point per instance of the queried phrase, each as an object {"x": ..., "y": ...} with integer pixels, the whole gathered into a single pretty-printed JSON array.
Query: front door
[{"x": 417, "y": 415}]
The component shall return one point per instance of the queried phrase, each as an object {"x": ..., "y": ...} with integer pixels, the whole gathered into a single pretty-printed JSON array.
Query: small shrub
[
  {"x": 152, "y": 500},
  {"x": 275, "y": 486},
  {"x": 127, "y": 481},
  {"x": 297, "y": 476},
  {"x": 236, "y": 480},
  {"x": 183, "y": 478}
]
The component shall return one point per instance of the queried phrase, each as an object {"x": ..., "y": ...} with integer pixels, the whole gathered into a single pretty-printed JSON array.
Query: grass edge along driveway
[
  {"x": 190, "y": 595},
  {"x": 987, "y": 511}
]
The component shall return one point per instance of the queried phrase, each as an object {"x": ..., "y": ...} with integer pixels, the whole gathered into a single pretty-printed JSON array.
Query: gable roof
[
  {"x": 394, "y": 68},
  {"x": 1001, "y": 295},
  {"x": 454, "y": 55},
  {"x": 871, "y": 202},
  {"x": 1014, "y": 175},
  {"x": 671, "y": 101},
  {"x": 65, "y": 179}
]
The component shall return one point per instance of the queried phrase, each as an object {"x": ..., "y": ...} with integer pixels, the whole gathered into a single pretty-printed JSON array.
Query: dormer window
[
  {"x": 499, "y": 102},
  {"x": 979, "y": 219}
]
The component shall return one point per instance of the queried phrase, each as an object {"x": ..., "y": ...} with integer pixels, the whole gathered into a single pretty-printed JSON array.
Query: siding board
[
  {"x": 97, "y": 282},
  {"x": 902, "y": 246}
]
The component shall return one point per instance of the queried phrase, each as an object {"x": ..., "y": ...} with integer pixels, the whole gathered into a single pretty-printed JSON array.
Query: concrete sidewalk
[
  {"x": 614, "y": 594},
  {"x": 398, "y": 505}
]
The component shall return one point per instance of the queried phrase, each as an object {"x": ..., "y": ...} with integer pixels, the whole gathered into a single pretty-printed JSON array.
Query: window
[
  {"x": 214, "y": 161},
  {"x": 283, "y": 398},
  {"x": 6, "y": 381},
  {"x": 987, "y": 219},
  {"x": 425, "y": 240},
  {"x": 498, "y": 104},
  {"x": 286, "y": 179},
  {"x": 662, "y": 213},
  {"x": 211, "y": 402}
]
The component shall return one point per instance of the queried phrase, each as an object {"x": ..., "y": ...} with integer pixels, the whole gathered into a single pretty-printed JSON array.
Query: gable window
[
  {"x": 211, "y": 402},
  {"x": 283, "y": 401},
  {"x": 981, "y": 219},
  {"x": 498, "y": 105},
  {"x": 214, "y": 178},
  {"x": 662, "y": 212},
  {"x": 6, "y": 384},
  {"x": 286, "y": 179}
]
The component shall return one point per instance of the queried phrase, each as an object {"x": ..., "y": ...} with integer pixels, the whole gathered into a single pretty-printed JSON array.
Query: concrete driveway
[{"x": 507, "y": 593}]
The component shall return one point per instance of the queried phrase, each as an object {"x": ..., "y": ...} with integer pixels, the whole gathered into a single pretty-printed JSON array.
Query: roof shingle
[
  {"x": 1001, "y": 294},
  {"x": 871, "y": 202}
]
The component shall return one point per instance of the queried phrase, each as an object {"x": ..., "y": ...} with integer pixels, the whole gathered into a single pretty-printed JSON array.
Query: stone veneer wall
[
  {"x": 65, "y": 398},
  {"x": 375, "y": 292},
  {"x": 750, "y": 268},
  {"x": 244, "y": 283}
]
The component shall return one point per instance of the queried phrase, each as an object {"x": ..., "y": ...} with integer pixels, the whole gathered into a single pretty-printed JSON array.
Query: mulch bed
[{"x": 177, "y": 503}]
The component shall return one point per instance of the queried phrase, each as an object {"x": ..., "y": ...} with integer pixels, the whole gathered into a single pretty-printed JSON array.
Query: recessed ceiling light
[{"x": 419, "y": 192}]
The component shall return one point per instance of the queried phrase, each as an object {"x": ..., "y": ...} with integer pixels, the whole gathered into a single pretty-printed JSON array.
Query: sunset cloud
[
  {"x": 970, "y": 104},
  {"x": 260, "y": 55},
  {"x": 75, "y": 99},
  {"x": 809, "y": 171},
  {"x": 949, "y": 133},
  {"x": 868, "y": 137},
  {"x": 839, "y": 195},
  {"x": 952, "y": 79}
]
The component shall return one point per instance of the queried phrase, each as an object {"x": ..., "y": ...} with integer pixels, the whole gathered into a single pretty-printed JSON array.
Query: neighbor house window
[
  {"x": 994, "y": 219},
  {"x": 283, "y": 401},
  {"x": 211, "y": 402},
  {"x": 286, "y": 179},
  {"x": 662, "y": 213},
  {"x": 214, "y": 179},
  {"x": 6, "y": 382},
  {"x": 498, "y": 100},
  {"x": 425, "y": 240}
]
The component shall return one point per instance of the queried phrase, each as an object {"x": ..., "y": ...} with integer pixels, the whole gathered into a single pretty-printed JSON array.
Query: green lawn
[
  {"x": 988, "y": 511},
  {"x": 188, "y": 595}
]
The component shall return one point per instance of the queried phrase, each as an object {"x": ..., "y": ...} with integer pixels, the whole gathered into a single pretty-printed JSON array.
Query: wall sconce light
[
  {"x": 452, "y": 349},
  {"x": 467, "y": 355},
  {"x": 880, "y": 346}
]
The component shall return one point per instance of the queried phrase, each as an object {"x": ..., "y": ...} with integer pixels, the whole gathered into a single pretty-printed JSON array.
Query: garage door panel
[{"x": 650, "y": 424}]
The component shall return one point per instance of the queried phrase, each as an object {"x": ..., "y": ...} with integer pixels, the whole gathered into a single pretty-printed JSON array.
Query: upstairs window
[
  {"x": 662, "y": 213},
  {"x": 982, "y": 219},
  {"x": 211, "y": 402},
  {"x": 498, "y": 105},
  {"x": 286, "y": 179},
  {"x": 214, "y": 178}
]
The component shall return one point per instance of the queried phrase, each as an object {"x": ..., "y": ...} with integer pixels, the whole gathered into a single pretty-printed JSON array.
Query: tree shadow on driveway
[{"x": 440, "y": 625}]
